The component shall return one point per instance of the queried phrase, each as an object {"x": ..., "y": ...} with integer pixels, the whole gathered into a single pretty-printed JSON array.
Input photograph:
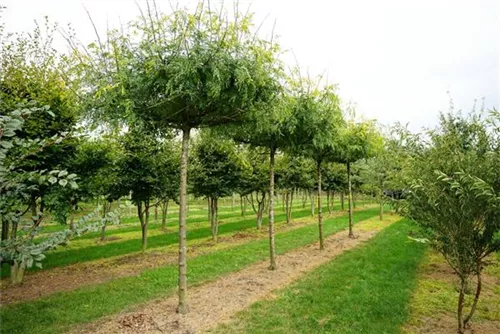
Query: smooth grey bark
[
  {"x": 349, "y": 198},
  {"x": 16, "y": 273},
  {"x": 272, "y": 247},
  {"x": 183, "y": 308},
  {"x": 320, "y": 210},
  {"x": 164, "y": 213}
]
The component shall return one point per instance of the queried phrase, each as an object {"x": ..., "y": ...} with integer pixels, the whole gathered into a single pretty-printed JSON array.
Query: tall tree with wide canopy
[
  {"x": 358, "y": 140},
  {"x": 187, "y": 71},
  {"x": 318, "y": 121}
]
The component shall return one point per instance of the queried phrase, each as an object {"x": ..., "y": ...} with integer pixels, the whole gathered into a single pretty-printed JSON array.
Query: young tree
[
  {"x": 358, "y": 140},
  {"x": 188, "y": 71},
  {"x": 216, "y": 173},
  {"x": 17, "y": 184},
  {"x": 334, "y": 181},
  {"x": 318, "y": 120},
  {"x": 455, "y": 196}
]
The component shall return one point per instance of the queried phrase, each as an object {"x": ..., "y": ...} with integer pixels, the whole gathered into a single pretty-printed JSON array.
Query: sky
[{"x": 395, "y": 60}]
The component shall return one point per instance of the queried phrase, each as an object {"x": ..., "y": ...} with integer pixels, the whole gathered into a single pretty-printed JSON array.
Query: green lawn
[
  {"x": 56, "y": 313},
  {"x": 365, "y": 290},
  {"x": 65, "y": 256}
]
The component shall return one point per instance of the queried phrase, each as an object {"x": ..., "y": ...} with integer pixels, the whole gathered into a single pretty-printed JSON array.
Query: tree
[
  {"x": 358, "y": 140},
  {"x": 216, "y": 173},
  {"x": 144, "y": 168},
  {"x": 188, "y": 71},
  {"x": 455, "y": 195},
  {"x": 318, "y": 120},
  {"x": 33, "y": 70},
  {"x": 17, "y": 184},
  {"x": 334, "y": 181}
]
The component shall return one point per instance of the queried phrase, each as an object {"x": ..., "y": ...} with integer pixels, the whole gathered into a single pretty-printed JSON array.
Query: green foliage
[
  {"x": 217, "y": 167},
  {"x": 295, "y": 172},
  {"x": 16, "y": 186}
]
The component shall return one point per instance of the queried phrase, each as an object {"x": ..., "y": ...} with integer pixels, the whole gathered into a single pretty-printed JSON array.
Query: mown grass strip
[
  {"x": 365, "y": 290},
  {"x": 102, "y": 251},
  {"x": 56, "y": 313}
]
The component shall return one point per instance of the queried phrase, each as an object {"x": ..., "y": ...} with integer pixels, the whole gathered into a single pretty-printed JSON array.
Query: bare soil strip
[
  {"x": 214, "y": 303},
  {"x": 46, "y": 282}
]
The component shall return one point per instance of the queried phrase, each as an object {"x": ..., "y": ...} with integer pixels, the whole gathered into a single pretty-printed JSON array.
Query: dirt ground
[
  {"x": 214, "y": 303},
  {"x": 46, "y": 282}
]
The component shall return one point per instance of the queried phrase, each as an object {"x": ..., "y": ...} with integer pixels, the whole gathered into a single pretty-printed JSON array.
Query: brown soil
[
  {"x": 46, "y": 282},
  {"x": 214, "y": 303}
]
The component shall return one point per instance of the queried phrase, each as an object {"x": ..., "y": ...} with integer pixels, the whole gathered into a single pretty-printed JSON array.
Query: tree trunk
[
  {"x": 242, "y": 206},
  {"x": 119, "y": 211},
  {"x": 214, "y": 219},
  {"x": 260, "y": 212},
  {"x": 328, "y": 203},
  {"x": 13, "y": 233},
  {"x": 349, "y": 198},
  {"x": 304, "y": 199},
  {"x": 164, "y": 212},
  {"x": 16, "y": 273},
  {"x": 320, "y": 210},
  {"x": 287, "y": 206},
  {"x": 333, "y": 200},
  {"x": 312, "y": 203},
  {"x": 209, "y": 206},
  {"x": 272, "y": 249},
  {"x": 460, "y": 308},
  {"x": 5, "y": 229},
  {"x": 104, "y": 212},
  {"x": 476, "y": 298},
  {"x": 381, "y": 202},
  {"x": 342, "y": 206},
  {"x": 156, "y": 212},
  {"x": 182, "y": 308}
]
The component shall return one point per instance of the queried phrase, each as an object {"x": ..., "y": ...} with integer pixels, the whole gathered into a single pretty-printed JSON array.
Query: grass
[
  {"x": 56, "y": 313},
  {"x": 67, "y": 256},
  {"x": 365, "y": 290},
  {"x": 436, "y": 295}
]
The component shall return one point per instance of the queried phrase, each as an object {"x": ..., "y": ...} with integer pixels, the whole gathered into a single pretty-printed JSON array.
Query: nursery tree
[
  {"x": 358, "y": 140},
  {"x": 455, "y": 196},
  {"x": 216, "y": 172},
  {"x": 318, "y": 120},
  {"x": 187, "y": 71}
]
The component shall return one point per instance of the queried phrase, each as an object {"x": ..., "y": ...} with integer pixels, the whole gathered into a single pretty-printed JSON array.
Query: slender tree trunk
[
  {"x": 243, "y": 206},
  {"x": 209, "y": 206},
  {"x": 211, "y": 200},
  {"x": 16, "y": 273},
  {"x": 13, "y": 233},
  {"x": 272, "y": 247},
  {"x": 381, "y": 203},
  {"x": 287, "y": 206},
  {"x": 104, "y": 213},
  {"x": 328, "y": 203},
  {"x": 144, "y": 219},
  {"x": 312, "y": 202},
  {"x": 215, "y": 215},
  {"x": 476, "y": 298},
  {"x": 304, "y": 199},
  {"x": 460, "y": 308},
  {"x": 164, "y": 212},
  {"x": 118, "y": 202},
  {"x": 320, "y": 210},
  {"x": 156, "y": 212},
  {"x": 349, "y": 198},
  {"x": 182, "y": 308},
  {"x": 333, "y": 200},
  {"x": 260, "y": 211},
  {"x": 5, "y": 229}
]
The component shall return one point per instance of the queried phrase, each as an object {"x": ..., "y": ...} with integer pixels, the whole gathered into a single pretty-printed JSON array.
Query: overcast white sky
[{"x": 395, "y": 59}]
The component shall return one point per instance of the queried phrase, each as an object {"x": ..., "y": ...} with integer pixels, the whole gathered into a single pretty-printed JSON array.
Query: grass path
[
  {"x": 217, "y": 301},
  {"x": 102, "y": 251},
  {"x": 56, "y": 313},
  {"x": 364, "y": 290}
]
